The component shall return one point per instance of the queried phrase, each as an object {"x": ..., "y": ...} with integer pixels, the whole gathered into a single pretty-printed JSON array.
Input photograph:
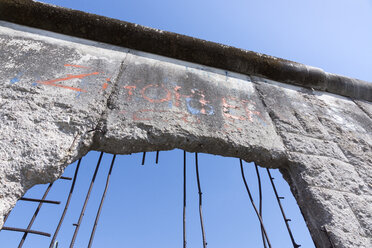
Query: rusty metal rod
[
  {"x": 184, "y": 200},
  {"x": 157, "y": 157},
  {"x": 85, "y": 202},
  {"x": 66, "y": 178},
  {"x": 35, "y": 214},
  {"x": 200, "y": 200},
  {"x": 5, "y": 218},
  {"x": 295, "y": 245},
  {"x": 143, "y": 158},
  {"x": 66, "y": 206},
  {"x": 5, "y": 228},
  {"x": 254, "y": 206},
  {"x": 260, "y": 203},
  {"x": 39, "y": 200},
  {"x": 101, "y": 204}
]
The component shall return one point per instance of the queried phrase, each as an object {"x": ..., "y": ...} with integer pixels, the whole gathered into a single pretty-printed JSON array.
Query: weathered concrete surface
[
  {"x": 61, "y": 96},
  {"x": 45, "y": 127},
  {"x": 129, "y": 35},
  {"x": 329, "y": 146}
]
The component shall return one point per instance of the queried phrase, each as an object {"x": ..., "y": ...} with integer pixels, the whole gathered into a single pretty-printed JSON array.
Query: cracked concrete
[{"x": 62, "y": 96}]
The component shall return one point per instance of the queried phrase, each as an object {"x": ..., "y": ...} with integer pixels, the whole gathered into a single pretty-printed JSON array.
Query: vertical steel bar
[
  {"x": 101, "y": 203},
  {"x": 5, "y": 218},
  {"x": 157, "y": 157},
  {"x": 34, "y": 216},
  {"x": 254, "y": 206},
  {"x": 52, "y": 243},
  {"x": 200, "y": 200},
  {"x": 85, "y": 202},
  {"x": 260, "y": 203},
  {"x": 143, "y": 158},
  {"x": 295, "y": 245},
  {"x": 184, "y": 200}
]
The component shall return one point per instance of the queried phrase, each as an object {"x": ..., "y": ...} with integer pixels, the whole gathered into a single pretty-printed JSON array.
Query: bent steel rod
[
  {"x": 200, "y": 200},
  {"x": 260, "y": 203},
  {"x": 157, "y": 157},
  {"x": 143, "y": 158},
  {"x": 101, "y": 203},
  {"x": 39, "y": 200},
  {"x": 281, "y": 209},
  {"x": 25, "y": 231},
  {"x": 66, "y": 206},
  {"x": 254, "y": 206},
  {"x": 184, "y": 199},
  {"x": 86, "y": 201},
  {"x": 35, "y": 214}
]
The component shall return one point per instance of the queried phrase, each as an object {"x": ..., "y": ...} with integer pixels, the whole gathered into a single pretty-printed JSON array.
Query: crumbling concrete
[{"x": 62, "y": 96}]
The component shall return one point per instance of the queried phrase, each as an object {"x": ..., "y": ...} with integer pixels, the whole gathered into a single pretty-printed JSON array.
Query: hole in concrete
[{"x": 143, "y": 206}]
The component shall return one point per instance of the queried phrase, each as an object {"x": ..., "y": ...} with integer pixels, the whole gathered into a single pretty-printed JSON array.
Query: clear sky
[
  {"x": 144, "y": 203},
  {"x": 335, "y": 35}
]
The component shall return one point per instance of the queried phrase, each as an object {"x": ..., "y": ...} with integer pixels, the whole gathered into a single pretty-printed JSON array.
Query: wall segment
[{"x": 62, "y": 96}]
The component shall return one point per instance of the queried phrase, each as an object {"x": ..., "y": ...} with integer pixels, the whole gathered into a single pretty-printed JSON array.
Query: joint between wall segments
[
  {"x": 259, "y": 93},
  {"x": 101, "y": 125},
  {"x": 361, "y": 108}
]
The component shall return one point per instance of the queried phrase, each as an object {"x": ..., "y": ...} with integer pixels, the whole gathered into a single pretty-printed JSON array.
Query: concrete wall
[{"x": 62, "y": 96}]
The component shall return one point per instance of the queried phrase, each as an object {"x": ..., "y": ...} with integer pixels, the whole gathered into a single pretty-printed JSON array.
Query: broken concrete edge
[{"x": 177, "y": 46}]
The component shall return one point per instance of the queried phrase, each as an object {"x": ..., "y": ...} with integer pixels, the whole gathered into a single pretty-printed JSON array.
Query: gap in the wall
[{"x": 143, "y": 206}]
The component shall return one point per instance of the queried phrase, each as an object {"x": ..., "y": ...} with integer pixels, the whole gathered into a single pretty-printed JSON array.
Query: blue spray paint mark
[
  {"x": 195, "y": 111},
  {"x": 261, "y": 121},
  {"x": 34, "y": 83},
  {"x": 16, "y": 79},
  {"x": 170, "y": 104}
]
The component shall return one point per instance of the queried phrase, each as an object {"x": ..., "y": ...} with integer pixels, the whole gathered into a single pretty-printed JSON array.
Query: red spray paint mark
[
  {"x": 61, "y": 86},
  {"x": 165, "y": 99},
  {"x": 69, "y": 77},
  {"x": 130, "y": 89},
  {"x": 78, "y": 66},
  {"x": 104, "y": 86}
]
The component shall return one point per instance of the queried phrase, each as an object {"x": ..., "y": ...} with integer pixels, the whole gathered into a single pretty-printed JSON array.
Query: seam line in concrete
[
  {"x": 323, "y": 156},
  {"x": 356, "y": 217},
  {"x": 102, "y": 125},
  {"x": 267, "y": 110},
  {"x": 337, "y": 190},
  {"x": 361, "y": 108}
]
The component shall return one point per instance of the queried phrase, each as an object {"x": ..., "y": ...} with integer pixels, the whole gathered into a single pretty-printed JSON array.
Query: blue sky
[{"x": 144, "y": 204}]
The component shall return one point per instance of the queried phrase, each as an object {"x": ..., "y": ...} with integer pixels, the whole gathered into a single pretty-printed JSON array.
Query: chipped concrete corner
[{"x": 62, "y": 96}]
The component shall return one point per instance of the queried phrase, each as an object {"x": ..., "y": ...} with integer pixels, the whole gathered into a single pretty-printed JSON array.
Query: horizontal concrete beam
[{"x": 129, "y": 35}]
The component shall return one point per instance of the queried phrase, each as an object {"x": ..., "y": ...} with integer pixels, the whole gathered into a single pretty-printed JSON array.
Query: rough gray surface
[
  {"x": 329, "y": 145},
  {"x": 61, "y": 97},
  {"x": 129, "y": 35}
]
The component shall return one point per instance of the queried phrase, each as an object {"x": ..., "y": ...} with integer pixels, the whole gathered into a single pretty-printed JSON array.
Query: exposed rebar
[
  {"x": 66, "y": 178},
  {"x": 157, "y": 157},
  {"x": 200, "y": 201},
  {"x": 101, "y": 203},
  {"x": 66, "y": 206},
  {"x": 35, "y": 214},
  {"x": 184, "y": 200},
  {"x": 5, "y": 228},
  {"x": 260, "y": 203},
  {"x": 85, "y": 202},
  {"x": 295, "y": 245},
  {"x": 39, "y": 200},
  {"x": 254, "y": 206},
  {"x": 143, "y": 158}
]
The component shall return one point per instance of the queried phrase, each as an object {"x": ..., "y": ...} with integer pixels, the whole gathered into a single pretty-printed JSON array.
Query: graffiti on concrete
[{"x": 187, "y": 105}]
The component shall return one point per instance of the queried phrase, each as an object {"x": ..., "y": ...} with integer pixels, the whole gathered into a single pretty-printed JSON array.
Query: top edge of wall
[{"x": 182, "y": 47}]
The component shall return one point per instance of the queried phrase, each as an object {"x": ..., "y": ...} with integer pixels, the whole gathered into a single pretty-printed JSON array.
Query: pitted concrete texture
[
  {"x": 329, "y": 147},
  {"x": 61, "y": 97}
]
